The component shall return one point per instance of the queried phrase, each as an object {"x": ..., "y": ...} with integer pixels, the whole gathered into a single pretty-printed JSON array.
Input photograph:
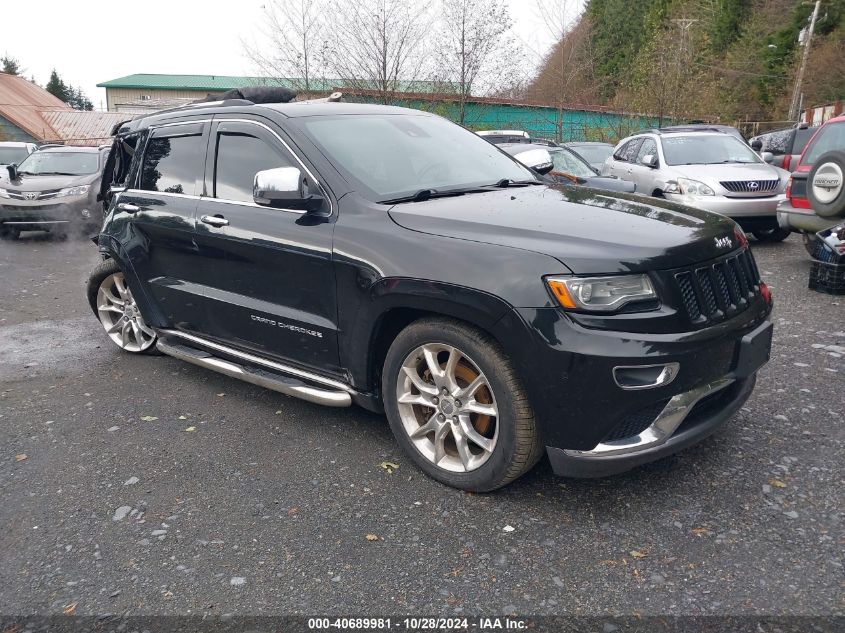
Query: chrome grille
[
  {"x": 716, "y": 289},
  {"x": 750, "y": 186}
]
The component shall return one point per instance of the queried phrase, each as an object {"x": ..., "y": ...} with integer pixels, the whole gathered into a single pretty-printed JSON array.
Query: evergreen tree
[
  {"x": 74, "y": 97},
  {"x": 57, "y": 87},
  {"x": 10, "y": 65}
]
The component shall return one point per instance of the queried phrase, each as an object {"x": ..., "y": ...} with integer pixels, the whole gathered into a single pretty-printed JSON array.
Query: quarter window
[
  {"x": 172, "y": 164},
  {"x": 239, "y": 157}
]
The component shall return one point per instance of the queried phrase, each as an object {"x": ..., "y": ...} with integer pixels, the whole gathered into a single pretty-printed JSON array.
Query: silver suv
[{"x": 706, "y": 169}]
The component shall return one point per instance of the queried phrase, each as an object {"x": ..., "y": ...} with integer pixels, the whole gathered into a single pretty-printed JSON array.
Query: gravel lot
[{"x": 148, "y": 486}]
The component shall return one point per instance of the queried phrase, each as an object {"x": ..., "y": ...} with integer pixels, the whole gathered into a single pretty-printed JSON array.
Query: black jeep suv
[{"x": 349, "y": 253}]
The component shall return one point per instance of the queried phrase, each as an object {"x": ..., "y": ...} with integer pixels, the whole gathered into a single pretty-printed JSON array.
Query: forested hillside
[{"x": 732, "y": 59}]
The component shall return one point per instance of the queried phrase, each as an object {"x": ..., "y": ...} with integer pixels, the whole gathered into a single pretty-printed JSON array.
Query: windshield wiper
[
  {"x": 55, "y": 173},
  {"x": 507, "y": 182}
]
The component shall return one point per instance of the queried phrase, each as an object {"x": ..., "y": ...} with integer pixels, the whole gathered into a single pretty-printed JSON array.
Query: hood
[
  {"x": 587, "y": 230},
  {"x": 46, "y": 183},
  {"x": 714, "y": 174}
]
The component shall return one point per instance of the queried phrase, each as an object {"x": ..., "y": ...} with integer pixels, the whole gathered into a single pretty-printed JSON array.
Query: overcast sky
[{"x": 91, "y": 41}]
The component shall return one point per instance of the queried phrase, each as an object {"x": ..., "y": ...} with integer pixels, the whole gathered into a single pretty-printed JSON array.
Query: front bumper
[
  {"x": 736, "y": 208},
  {"x": 54, "y": 214},
  {"x": 802, "y": 220},
  {"x": 701, "y": 411},
  {"x": 585, "y": 413}
]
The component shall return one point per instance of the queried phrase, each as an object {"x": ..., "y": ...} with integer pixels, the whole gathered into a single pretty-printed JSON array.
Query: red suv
[{"x": 815, "y": 196}]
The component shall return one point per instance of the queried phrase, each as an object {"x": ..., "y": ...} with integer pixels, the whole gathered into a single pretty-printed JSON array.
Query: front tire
[
  {"x": 457, "y": 406},
  {"x": 115, "y": 307},
  {"x": 771, "y": 235}
]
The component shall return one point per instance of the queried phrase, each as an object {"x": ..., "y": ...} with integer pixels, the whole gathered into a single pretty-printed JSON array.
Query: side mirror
[
  {"x": 537, "y": 159},
  {"x": 13, "y": 171},
  {"x": 756, "y": 144},
  {"x": 767, "y": 157},
  {"x": 650, "y": 160},
  {"x": 283, "y": 187}
]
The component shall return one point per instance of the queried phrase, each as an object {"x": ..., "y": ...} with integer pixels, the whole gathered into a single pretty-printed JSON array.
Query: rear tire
[
  {"x": 467, "y": 422},
  {"x": 114, "y": 306},
  {"x": 771, "y": 235}
]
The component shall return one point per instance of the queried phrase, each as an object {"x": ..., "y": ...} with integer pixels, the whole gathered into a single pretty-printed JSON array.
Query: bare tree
[
  {"x": 471, "y": 41},
  {"x": 376, "y": 44},
  {"x": 294, "y": 46}
]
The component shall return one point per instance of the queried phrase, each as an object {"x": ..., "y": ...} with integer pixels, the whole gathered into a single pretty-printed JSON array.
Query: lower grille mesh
[{"x": 636, "y": 422}]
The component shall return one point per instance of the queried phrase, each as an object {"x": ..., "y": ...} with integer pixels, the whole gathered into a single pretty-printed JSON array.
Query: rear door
[
  {"x": 620, "y": 165},
  {"x": 159, "y": 216},
  {"x": 270, "y": 285}
]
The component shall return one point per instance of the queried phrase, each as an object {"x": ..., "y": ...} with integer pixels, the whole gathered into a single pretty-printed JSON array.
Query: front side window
[
  {"x": 707, "y": 149},
  {"x": 648, "y": 148},
  {"x": 831, "y": 137},
  {"x": 172, "y": 164},
  {"x": 10, "y": 155},
  {"x": 239, "y": 157},
  {"x": 60, "y": 164},
  {"x": 388, "y": 156}
]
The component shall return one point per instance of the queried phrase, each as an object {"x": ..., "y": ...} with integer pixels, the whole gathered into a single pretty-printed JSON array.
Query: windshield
[
  {"x": 594, "y": 153},
  {"x": 9, "y": 155},
  {"x": 60, "y": 163},
  {"x": 706, "y": 149},
  {"x": 388, "y": 156},
  {"x": 831, "y": 137},
  {"x": 569, "y": 163}
]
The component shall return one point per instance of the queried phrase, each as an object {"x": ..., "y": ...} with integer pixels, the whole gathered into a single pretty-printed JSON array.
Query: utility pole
[{"x": 799, "y": 80}]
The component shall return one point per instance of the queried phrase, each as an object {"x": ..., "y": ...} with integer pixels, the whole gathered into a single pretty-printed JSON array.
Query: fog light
[
  {"x": 634, "y": 377},
  {"x": 86, "y": 213}
]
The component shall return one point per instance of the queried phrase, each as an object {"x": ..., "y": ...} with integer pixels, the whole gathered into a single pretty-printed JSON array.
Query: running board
[{"x": 275, "y": 382}]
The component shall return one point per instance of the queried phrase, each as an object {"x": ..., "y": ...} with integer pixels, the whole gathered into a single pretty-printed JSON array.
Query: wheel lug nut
[
  {"x": 441, "y": 417},
  {"x": 457, "y": 403},
  {"x": 455, "y": 419},
  {"x": 435, "y": 400}
]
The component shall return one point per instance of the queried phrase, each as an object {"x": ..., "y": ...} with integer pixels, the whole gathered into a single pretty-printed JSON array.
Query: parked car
[
  {"x": 336, "y": 253},
  {"x": 505, "y": 136},
  {"x": 53, "y": 190},
  {"x": 593, "y": 152},
  {"x": 13, "y": 152},
  {"x": 815, "y": 198},
  {"x": 566, "y": 167},
  {"x": 783, "y": 148},
  {"x": 704, "y": 169}
]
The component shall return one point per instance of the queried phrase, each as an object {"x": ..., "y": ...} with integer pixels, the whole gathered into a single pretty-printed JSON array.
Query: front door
[
  {"x": 641, "y": 174},
  {"x": 157, "y": 211},
  {"x": 270, "y": 283}
]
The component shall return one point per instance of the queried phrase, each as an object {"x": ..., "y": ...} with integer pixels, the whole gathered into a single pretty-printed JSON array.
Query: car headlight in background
[
  {"x": 81, "y": 190},
  {"x": 600, "y": 294},
  {"x": 689, "y": 187},
  {"x": 4, "y": 193}
]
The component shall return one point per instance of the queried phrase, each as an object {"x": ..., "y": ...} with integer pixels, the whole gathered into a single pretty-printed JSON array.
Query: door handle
[
  {"x": 129, "y": 208},
  {"x": 214, "y": 220}
]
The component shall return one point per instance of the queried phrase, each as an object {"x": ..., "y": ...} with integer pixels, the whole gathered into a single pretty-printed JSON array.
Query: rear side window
[
  {"x": 241, "y": 155},
  {"x": 628, "y": 152},
  {"x": 173, "y": 164},
  {"x": 802, "y": 137},
  {"x": 830, "y": 138}
]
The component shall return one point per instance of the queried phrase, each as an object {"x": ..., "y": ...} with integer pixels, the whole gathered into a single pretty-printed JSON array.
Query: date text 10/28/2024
[{"x": 418, "y": 624}]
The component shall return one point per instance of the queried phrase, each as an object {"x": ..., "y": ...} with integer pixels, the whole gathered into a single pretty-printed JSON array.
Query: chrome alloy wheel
[
  {"x": 447, "y": 407},
  {"x": 120, "y": 316}
]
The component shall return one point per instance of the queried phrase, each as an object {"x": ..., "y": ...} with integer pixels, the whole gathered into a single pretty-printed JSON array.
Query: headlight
[
  {"x": 600, "y": 294},
  {"x": 4, "y": 193},
  {"x": 689, "y": 188},
  {"x": 81, "y": 190}
]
